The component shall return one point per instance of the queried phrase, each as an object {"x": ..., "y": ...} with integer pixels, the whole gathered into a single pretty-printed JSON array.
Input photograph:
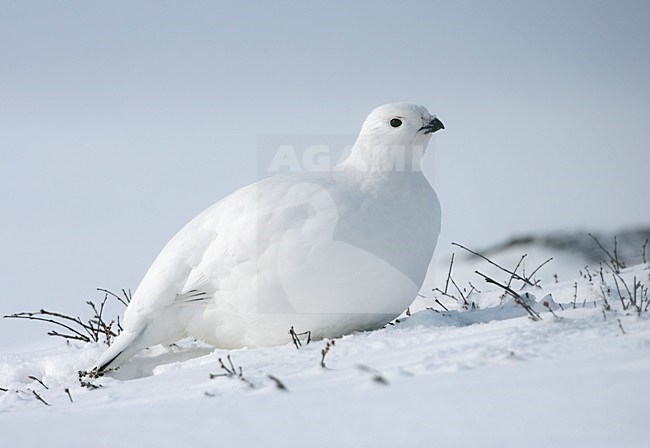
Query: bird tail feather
[{"x": 123, "y": 348}]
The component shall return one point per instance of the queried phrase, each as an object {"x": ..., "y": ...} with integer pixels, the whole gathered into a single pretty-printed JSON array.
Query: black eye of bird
[{"x": 396, "y": 122}]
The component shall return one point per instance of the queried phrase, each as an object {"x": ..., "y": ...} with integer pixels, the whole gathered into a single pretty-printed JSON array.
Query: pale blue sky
[{"x": 119, "y": 121}]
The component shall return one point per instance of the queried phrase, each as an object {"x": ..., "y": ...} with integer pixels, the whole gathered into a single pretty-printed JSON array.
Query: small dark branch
[
  {"x": 124, "y": 301},
  {"x": 89, "y": 385},
  {"x": 633, "y": 296},
  {"x": 555, "y": 277},
  {"x": 629, "y": 294},
  {"x": 606, "y": 305},
  {"x": 101, "y": 307},
  {"x": 67, "y": 391},
  {"x": 77, "y": 329},
  {"x": 127, "y": 296},
  {"x": 295, "y": 337},
  {"x": 465, "y": 303},
  {"x": 540, "y": 267},
  {"x": 231, "y": 372},
  {"x": 575, "y": 294},
  {"x": 377, "y": 377},
  {"x": 618, "y": 263},
  {"x": 94, "y": 373},
  {"x": 39, "y": 398},
  {"x": 518, "y": 299},
  {"x": 548, "y": 306},
  {"x": 34, "y": 316},
  {"x": 474, "y": 288},
  {"x": 108, "y": 333},
  {"x": 95, "y": 323},
  {"x": 325, "y": 351},
  {"x": 241, "y": 378},
  {"x": 616, "y": 266},
  {"x": 232, "y": 365},
  {"x": 609, "y": 266},
  {"x": 451, "y": 265},
  {"x": 445, "y": 294},
  {"x": 620, "y": 296},
  {"x": 3, "y": 389},
  {"x": 620, "y": 325},
  {"x": 66, "y": 336},
  {"x": 443, "y": 307},
  {"x": 514, "y": 274},
  {"x": 643, "y": 251},
  {"x": 408, "y": 311},
  {"x": 98, "y": 324},
  {"x": 279, "y": 384},
  {"x": 516, "y": 267},
  {"x": 31, "y": 377}
]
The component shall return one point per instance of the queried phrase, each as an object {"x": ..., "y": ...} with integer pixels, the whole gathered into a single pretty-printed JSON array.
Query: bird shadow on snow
[{"x": 145, "y": 363}]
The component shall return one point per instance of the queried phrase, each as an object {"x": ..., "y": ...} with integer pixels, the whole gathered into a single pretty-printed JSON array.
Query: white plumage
[{"x": 327, "y": 252}]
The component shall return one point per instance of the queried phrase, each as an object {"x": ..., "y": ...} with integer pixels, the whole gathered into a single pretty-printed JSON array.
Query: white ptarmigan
[{"x": 328, "y": 252}]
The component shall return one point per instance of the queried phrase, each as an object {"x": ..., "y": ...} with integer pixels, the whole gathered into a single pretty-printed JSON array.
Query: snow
[{"x": 488, "y": 376}]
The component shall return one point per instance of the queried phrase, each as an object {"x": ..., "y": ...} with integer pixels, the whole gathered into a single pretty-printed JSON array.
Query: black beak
[{"x": 432, "y": 126}]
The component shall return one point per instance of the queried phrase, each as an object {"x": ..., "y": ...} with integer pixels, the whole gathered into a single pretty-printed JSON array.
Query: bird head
[{"x": 395, "y": 135}]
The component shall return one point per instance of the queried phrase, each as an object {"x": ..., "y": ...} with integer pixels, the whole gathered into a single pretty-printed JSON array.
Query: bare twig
[
  {"x": 440, "y": 303},
  {"x": 474, "y": 288},
  {"x": 516, "y": 267},
  {"x": 279, "y": 384},
  {"x": 620, "y": 296},
  {"x": 377, "y": 377},
  {"x": 518, "y": 299},
  {"x": 231, "y": 372},
  {"x": 125, "y": 301},
  {"x": 295, "y": 337},
  {"x": 514, "y": 274},
  {"x": 35, "y": 316},
  {"x": 39, "y": 398},
  {"x": 77, "y": 329},
  {"x": 67, "y": 391},
  {"x": 548, "y": 306},
  {"x": 540, "y": 267},
  {"x": 445, "y": 294},
  {"x": 325, "y": 351},
  {"x": 606, "y": 305},
  {"x": 620, "y": 325},
  {"x": 616, "y": 265},
  {"x": 451, "y": 265},
  {"x": 32, "y": 377},
  {"x": 465, "y": 303}
]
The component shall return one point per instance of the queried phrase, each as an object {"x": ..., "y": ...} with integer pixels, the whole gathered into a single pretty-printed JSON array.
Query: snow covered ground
[{"x": 481, "y": 375}]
